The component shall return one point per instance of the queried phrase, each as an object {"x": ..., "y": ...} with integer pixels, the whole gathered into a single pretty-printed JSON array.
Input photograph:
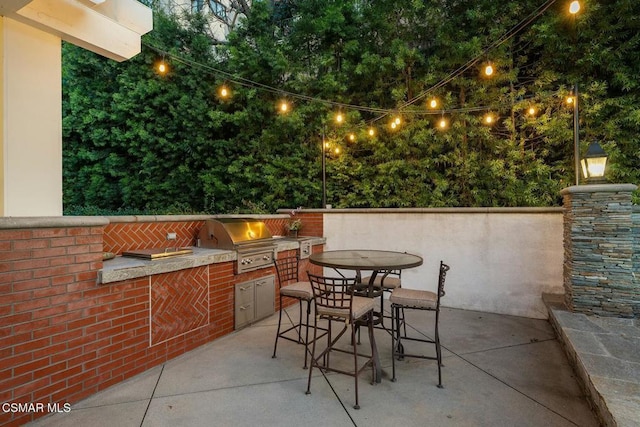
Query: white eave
[{"x": 111, "y": 28}]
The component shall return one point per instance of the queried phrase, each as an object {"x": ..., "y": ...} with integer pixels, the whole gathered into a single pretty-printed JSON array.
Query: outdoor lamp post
[
  {"x": 574, "y": 8},
  {"x": 594, "y": 163},
  {"x": 327, "y": 151},
  {"x": 323, "y": 151}
]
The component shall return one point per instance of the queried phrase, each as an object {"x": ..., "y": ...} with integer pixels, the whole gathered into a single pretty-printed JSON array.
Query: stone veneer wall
[{"x": 601, "y": 246}]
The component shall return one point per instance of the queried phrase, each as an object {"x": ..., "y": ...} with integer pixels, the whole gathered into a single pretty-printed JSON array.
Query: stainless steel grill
[{"x": 250, "y": 238}]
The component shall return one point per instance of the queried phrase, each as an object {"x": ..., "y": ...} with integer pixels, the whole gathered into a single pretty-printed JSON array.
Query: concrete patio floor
[{"x": 498, "y": 370}]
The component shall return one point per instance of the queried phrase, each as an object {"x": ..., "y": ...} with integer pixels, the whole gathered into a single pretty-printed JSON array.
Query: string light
[
  {"x": 489, "y": 119},
  {"x": 574, "y": 7},
  {"x": 488, "y": 70},
  {"x": 352, "y": 137},
  {"x": 570, "y": 99},
  {"x": 284, "y": 107},
  {"x": 443, "y": 124},
  {"x": 163, "y": 68},
  {"x": 223, "y": 92},
  {"x": 507, "y": 36}
]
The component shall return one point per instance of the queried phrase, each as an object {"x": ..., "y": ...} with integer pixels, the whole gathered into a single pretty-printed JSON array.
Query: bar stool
[
  {"x": 403, "y": 299},
  {"x": 334, "y": 301},
  {"x": 384, "y": 282},
  {"x": 291, "y": 287}
]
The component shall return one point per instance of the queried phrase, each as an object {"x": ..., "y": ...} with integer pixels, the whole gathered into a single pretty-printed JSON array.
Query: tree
[{"x": 137, "y": 140}]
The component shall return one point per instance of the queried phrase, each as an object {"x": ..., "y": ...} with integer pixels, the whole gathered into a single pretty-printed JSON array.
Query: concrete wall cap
[
  {"x": 52, "y": 222},
  {"x": 599, "y": 188},
  {"x": 516, "y": 210}
]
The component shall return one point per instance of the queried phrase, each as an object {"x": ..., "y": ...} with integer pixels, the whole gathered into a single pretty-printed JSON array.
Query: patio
[{"x": 498, "y": 370}]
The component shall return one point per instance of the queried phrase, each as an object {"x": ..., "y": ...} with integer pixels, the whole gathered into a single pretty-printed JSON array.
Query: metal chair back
[
  {"x": 287, "y": 269},
  {"x": 333, "y": 296}
]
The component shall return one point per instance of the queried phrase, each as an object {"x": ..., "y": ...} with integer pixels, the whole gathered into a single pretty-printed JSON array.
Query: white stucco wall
[
  {"x": 31, "y": 137},
  {"x": 501, "y": 260}
]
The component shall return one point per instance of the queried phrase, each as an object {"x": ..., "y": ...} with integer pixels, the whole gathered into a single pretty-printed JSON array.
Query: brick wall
[
  {"x": 63, "y": 338},
  {"x": 312, "y": 223},
  {"x": 120, "y": 235}
]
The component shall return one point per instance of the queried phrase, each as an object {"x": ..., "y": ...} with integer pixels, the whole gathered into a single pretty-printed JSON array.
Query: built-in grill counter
[
  {"x": 244, "y": 242},
  {"x": 256, "y": 249},
  {"x": 250, "y": 238}
]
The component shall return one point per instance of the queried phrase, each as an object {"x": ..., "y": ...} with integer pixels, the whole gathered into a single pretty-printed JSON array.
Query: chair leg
[
  {"x": 306, "y": 334},
  {"x": 275, "y": 345},
  {"x": 374, "y": 350},
  {"x": 299, "y": 328},
  {"x": 438, "y": 351},
  {"x": 382, "y": 310},
  {"x": 395, "y": 329},
  {"x": 355, "y": 363},
  {"x": 313, "y": 353}
]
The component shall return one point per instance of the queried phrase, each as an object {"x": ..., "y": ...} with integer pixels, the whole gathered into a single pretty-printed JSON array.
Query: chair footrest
[
  {"x": 300, "y": 339},
  {"x": 426, "y": 340},
  {"x": 415, "y": 356}
]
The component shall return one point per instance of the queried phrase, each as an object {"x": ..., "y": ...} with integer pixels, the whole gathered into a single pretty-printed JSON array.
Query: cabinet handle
[{"x": 245, "y": 288}]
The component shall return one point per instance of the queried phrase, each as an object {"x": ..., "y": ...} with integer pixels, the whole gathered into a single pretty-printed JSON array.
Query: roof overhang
[{"x": 111, "y": 28}]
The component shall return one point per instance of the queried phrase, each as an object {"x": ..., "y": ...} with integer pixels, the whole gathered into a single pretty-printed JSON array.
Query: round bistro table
[{"x": 376, "y": 261}]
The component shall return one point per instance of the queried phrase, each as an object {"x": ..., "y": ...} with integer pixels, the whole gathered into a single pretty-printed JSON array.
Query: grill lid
[{"x": 229, "y": 233}]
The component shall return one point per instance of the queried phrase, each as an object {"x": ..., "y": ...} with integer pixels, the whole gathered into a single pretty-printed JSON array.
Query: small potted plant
[{"x": 294, "y": 226}]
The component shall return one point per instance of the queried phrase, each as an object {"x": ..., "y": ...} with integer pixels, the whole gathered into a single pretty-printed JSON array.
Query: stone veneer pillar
[{"x": 599, "y": 241}]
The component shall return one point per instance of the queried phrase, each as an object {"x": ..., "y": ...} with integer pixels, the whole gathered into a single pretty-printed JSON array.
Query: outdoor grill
[{"x": 250, "y": 238}]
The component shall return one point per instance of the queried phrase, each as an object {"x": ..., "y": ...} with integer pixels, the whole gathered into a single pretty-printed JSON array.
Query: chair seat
[
  {"x": 414, "y": 298},
  {"x": 360, "y": 306},
  {"x": 300, "y": 290},
  {"x": 390, "y": 282}
]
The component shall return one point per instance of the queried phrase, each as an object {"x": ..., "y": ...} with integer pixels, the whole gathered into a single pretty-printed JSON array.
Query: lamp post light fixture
[{"x": 594, "y": 163}]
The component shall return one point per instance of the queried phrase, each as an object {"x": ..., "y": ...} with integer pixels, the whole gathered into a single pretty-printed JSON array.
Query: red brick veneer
[{"x": 63, "y": 338}]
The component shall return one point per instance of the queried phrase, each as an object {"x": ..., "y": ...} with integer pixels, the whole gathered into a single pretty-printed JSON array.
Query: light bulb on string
[
  {"x": 433, "y": 103},
  {"x": 163, "y": 68},
  {"x": 489, "y": 70},
  {"x": 283, "y": 107},
  {"x": 394, "y": 125},
  {"x": 371, "y": 132},
  {"x": 574, "y": 7},
  {"x": 443, "y": 124},
  {"x": 224, "y": 92},
  {"x": 351, "y": 137},
  {"x": 570, "y": 100},
  {"x": 339, "y": 118},
  {"x": 489, "y": 119},
  {"x": 397, "y": 120},
  {"x": 531, "y": 111}
]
